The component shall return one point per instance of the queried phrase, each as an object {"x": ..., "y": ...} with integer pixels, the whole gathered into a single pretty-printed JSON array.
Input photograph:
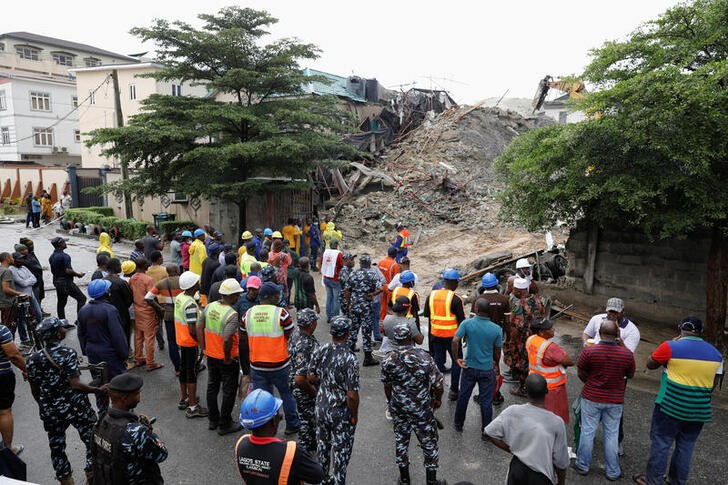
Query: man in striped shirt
[
  {"x": 693, "y": 369},
  {"x": 602, "y": 368}
]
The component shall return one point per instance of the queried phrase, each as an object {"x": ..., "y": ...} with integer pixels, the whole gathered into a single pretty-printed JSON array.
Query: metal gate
[{"x": 88, "y": 199}]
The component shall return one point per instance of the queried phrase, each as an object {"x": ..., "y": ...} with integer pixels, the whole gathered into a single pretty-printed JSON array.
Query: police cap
[
  {"x": 126, "y": 383},
  {"x": 339, "y": 326}
]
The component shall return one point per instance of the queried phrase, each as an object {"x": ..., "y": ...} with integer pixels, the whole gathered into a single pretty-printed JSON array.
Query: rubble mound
[{"x": 438, "y": 173}]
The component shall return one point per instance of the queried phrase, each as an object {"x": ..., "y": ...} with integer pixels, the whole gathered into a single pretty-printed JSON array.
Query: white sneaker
[
  {"x": 388, "y": 414},
  {"x": 572, "y": 455}
]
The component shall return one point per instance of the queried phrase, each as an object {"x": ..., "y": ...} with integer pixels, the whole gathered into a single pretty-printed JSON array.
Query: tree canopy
[
  {"x": 656, "y": 156},
  {"x": 254, "y": 123}
]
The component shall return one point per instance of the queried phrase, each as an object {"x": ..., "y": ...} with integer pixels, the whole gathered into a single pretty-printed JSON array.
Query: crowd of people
[{"x": 249, "y": 315}]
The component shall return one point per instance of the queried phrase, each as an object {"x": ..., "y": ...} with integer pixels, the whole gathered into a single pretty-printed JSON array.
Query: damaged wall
[{"x": 658, "y": 280}]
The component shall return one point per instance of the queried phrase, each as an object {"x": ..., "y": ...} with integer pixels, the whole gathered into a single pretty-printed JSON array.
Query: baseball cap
[
  {"x": 691, "y": 324},
  {"x": 401, "y": 304},
  {"x": 58, "y": 240},
  {"x": 253, "y": 282},
  {"x": 615, "y": 305},
  {"x": 542, "y": 324}
]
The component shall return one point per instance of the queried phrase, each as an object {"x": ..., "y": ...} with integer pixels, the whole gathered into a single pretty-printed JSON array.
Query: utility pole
[{"x": 128, "y": 212}]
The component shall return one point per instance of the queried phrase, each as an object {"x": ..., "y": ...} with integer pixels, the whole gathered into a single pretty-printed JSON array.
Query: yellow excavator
[{"x": 576, "y": 90}]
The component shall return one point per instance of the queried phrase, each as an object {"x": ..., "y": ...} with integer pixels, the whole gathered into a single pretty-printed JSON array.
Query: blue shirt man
[{"x": 480, "y": 364}]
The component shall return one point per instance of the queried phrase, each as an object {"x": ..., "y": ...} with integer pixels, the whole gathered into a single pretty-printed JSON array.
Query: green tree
[
  {"x": 654, "y": 156},
  {"x": 254, "y": 123}
]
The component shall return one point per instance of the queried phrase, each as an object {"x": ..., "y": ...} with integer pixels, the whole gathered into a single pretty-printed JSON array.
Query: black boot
[
  {"x": 369, "y": 360},
  {"x": 432, "y": 478},
  {"x": 404, "y": 477}
]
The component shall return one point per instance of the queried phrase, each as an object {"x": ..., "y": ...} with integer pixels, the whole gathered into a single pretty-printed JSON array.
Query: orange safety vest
[
  {"x": 386, "y": 267},
  {"x": 443, "y": 322},
  {"x": 285, "y": 471},
  {"x": 404, "y": 234},
  {"x": 181, "y": 329},
  {"x": 216, "y": 314},
  {"x": 536, "y": 346},
  {"x": 402, "y": 291},
  {"x": 266, "y": 338}
]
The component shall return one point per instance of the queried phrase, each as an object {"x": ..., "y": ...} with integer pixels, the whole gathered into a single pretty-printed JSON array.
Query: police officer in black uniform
[
  {"x": 125, "y": 448},
  {"x": 62, "y": 398}
]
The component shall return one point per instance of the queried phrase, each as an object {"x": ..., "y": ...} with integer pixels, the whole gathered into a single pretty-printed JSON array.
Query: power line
[{"x": 58, "y": 121}]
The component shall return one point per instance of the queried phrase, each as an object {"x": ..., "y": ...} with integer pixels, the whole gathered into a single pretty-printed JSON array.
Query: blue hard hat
[
  {"x": 451, "y": 274},
  {"x": 407, "y": 277},
  {"x": 489, "y": 280},
  {"x": 268, "y": 231},
  {"x": 186, "y": 234},
  {"x": 258, "y": 408},
  {"x": 98, "y": 288},
  {"x": 199, "y": 232}
]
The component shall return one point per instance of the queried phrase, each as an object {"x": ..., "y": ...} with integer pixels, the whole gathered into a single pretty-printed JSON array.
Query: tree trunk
[
  {"x": 592, "y": 245},
  {"x": 716, "y": 289}
]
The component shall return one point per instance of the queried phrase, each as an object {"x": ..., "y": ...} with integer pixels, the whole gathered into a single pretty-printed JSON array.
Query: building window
[
  {"x": 176, "y": 90},
  {"x": 3, "y": 101},
  {"x": 27, "y": 53},
  {"x": 5, "y": 135},
  {"x": 40, "y": 101},
  {"x": 91, "y": 97},
  {"x": 63, "y": 59},
  {"x": 74, "y": 101},
  {"x": 132, "y": 92},
  {"x": 2, "y": 47},
  {"x": 77, "y": 136},
  {"x": 92, "y": 62},
  {"x": 43, "y": 137}
]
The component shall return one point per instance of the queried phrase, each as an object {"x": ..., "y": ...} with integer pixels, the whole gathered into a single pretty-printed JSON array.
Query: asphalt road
[{"x": 197, "y": 455}]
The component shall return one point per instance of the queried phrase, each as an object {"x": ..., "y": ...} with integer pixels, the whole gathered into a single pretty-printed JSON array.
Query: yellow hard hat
[
  {"x": 277, "y": 234},
  {"x": 247, "y": 235},
  {"x": 330, "y": 226},
  {"x": 128, "y": 267}
]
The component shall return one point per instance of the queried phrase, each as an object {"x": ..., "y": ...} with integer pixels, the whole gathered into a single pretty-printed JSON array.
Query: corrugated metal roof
[
  {"x": 63, "y": 44},
  {"x": 338, "y": 86}
]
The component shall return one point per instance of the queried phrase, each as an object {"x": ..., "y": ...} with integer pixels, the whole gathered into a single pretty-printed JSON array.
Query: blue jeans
[
  {"x": 609, "y": 415},
  {"x": 333, "y": 288},
  {"x": 664, "y": 431},
  {"x": 172, "y": 347},
  {"x": 440, "y": 348},
  {"x": 486, "y": 385},
  {"x": 278, "y": 378},
  {"x": 376, "y": 308}
]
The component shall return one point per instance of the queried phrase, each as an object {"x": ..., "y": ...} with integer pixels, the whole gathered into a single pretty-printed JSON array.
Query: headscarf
[{"x": 105, "y": 244}]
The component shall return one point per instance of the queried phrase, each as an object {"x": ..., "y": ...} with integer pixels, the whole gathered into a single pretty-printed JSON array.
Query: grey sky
[{"x": 474, "y": 49}]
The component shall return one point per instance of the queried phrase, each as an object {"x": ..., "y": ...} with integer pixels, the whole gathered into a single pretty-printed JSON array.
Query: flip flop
[
  {"x": 639, "y": 478},
  {"x": 154, "y": 367}
]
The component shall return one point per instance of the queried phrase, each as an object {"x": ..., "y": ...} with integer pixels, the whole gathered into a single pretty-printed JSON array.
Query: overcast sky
[{"x": 475, "y": 49}]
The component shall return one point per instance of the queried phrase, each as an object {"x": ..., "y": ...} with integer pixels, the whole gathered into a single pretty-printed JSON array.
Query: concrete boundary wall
[{"x": 17, "y": 180}]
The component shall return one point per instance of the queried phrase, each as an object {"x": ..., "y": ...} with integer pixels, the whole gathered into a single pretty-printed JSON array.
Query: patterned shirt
[
  {"x": 338, "y": 371},
  {"x": 301, "y": 348},
  {"x": 607, "y": 364},
  {"x": 5, "y": 338},
  {"x": 360, "y": 284},
  {"x": 413, "y": 375},
  {"x": 139, "y": 444}
]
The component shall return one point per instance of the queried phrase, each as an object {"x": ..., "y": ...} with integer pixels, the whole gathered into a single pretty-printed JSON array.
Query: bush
[
  {"x": 104, "y": 211},
  {"x": 128, "y": 228},
  {"x": 168, "y": 227},
  {"x": 131, "y": 229}
]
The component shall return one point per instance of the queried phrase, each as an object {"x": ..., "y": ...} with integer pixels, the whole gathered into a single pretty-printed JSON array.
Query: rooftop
[
  {"x": 63, "y": 44},
  {"x": 338, "y": 86}
]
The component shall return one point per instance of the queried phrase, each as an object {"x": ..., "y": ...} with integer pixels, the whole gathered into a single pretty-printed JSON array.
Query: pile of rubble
[{"x": 439, "y": 173}]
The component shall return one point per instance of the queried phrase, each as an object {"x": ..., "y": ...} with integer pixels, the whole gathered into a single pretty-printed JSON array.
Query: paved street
[{"x": 197, "y": 455}]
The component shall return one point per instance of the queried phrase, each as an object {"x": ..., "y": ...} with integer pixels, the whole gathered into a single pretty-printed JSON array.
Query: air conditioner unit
[
  {"x": 179, "y": 198},
  {"x": 64, "y": 149},
  {"x": 55, "y": 149}
]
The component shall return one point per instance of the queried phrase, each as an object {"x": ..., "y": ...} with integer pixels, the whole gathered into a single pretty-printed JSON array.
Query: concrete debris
[{"x": 438, "y": 173}]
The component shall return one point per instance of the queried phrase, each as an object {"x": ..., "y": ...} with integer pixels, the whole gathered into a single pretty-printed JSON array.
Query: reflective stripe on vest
[
  {"x": 285, "y": 471},
  {"x": 245, "y": 261},
  {"x": 536, "y": 347},
  {"x": 266, "y": 338},
  {"x": 216, "y": 315},
  {"x": 443, "y": 322},
  {"x": 402, "y": 291},
  {"x": 181, "y": 329},
  {"x": 404, "y": 234}
]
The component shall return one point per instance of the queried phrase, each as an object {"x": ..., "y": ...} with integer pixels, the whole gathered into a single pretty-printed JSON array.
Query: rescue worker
[
  {"x": 445, "y": 310},
  {"x": 186, "y": 313},
  {"x": 523, "y": 270},
  {"x": 361, "y": 287},
  {"x": 335, "y": 371},
  {"x": 217, "y": 336},
  {"x": 126, "y": 450},
  {"x": 262, "y": 458},
  {"x": 414, "y": 386},
  {"x": 349, "y": 260},
  {"x": 62, "y": 398},
  {"x": 525, "y": 308},
  {"x": 197, "y": 251},
  {"x": 402, "y": 243},
  {"x": 247, "y": 258},
  {"x": 407, "y": 279},
  {"x": 549, "y": 360},
  {"x": 301, "y": 347},
  {"x": 265, "y": 331},
  {"x": 389, "y": 268}
]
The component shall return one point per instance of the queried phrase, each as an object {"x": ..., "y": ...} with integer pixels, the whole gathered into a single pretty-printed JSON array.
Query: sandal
[
  {"x": 154, "y": 367},
  {"x": 17, "y": 449},
  {"x": 639, "y": 478}
]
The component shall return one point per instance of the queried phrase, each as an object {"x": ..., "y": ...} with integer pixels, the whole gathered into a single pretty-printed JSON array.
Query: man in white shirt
[
  {"x": 629, "y": 337},
  {"x": 404, "y": 265}
]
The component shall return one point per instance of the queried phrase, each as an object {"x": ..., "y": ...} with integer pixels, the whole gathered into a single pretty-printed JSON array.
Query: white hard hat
[
  {"x": 230, "y": 286},
  {"x": 188, "y": 279},
  {"x": 522, "y": 263}
]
